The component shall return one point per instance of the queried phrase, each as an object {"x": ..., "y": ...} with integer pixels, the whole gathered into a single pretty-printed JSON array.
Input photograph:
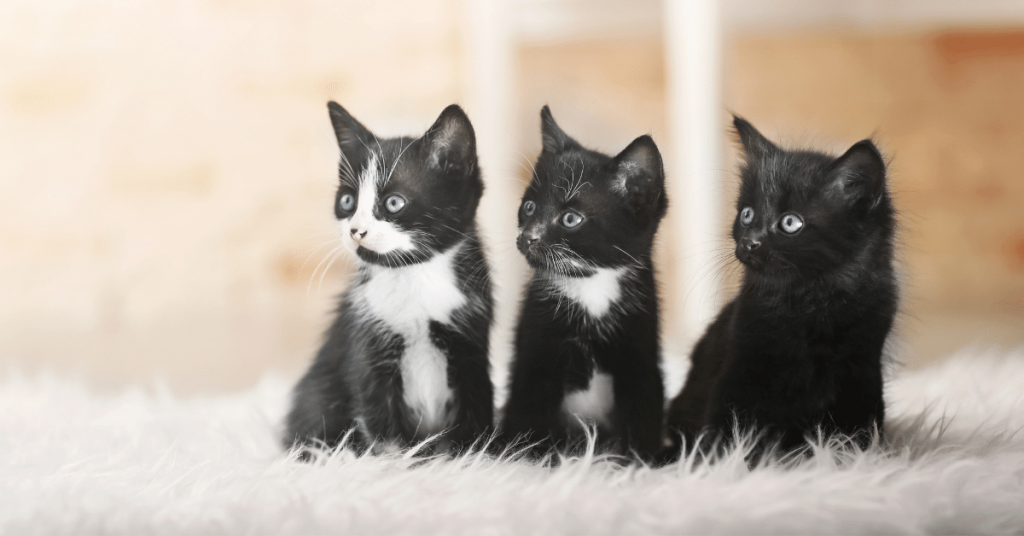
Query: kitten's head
[
  {"x": 804, "y": 214},
  {"x": 401, "y": 200},
  {"x": 585, "y": 210}
]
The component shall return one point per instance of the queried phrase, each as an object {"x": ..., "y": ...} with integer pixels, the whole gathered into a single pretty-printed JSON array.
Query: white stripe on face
[
  {"x": 366, "y": 199},
  {"x": 363, "y": 228}
]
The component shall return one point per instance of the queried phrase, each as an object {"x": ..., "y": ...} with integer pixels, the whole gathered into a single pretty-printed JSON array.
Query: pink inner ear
[{"x": 452, "y": 140}]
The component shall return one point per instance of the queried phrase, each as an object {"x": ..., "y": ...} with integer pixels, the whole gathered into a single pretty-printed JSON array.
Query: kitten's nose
[
  {"x": 748, "y": 244},
  {"x": 526, "y": 239},
  {"x": 357, "y": 233}
]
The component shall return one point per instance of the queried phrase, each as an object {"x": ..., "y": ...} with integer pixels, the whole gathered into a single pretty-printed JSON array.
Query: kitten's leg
[
  {"x": 470, "y": 380},
  {"x": 688, "y": 410},
  {"x": 859, "y": 409},
  {"x": 321, "y": 413},
  {"x": 532, "y": 413},
  {"x": 385, "y": 419},
  {"x": 640, "y": 397},
  {"x": 384, "y": 416},
  {"x": 743, "y": 402}
]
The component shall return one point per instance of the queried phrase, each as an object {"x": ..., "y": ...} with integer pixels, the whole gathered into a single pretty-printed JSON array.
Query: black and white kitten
[
  {"x": 407, "y": 355},
  {"x": 799, "y": 350},
  {"x": 587, "y": 343}
]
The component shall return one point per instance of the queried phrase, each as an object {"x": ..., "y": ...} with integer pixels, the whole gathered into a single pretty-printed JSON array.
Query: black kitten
[
  {"x": 406, "y": 356},
  {"x": 800, "y": 348},
  {"x": 586, "y": 345}
]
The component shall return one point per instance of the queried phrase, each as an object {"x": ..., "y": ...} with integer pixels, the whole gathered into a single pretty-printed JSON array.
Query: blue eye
[
  {"x": 571, "y": 219},
  {"x": 791, "y": 223},
  {"x": 347, "y": 202},
  {"x": 746, "y": 215},
  {"x": 394, "y": 203},
  {"x": 529, "y": 208}
]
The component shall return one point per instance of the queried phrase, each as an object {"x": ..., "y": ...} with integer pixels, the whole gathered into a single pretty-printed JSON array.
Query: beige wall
[
  {"x": 166, "y": 169},
  {"x": 167, "y": 172}
]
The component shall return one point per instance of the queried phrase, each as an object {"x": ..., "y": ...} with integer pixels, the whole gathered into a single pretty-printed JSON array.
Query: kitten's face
[
  {"x": 804, "y": 214},
  {"x": 584, "y": 210},
  {"x": 401, "y": 200}
]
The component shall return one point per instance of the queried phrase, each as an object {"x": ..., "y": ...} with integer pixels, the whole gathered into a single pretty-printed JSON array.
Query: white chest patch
[
  {"x": 596, "y": 294},
  {"x": 594, "y": 403},
  {"x": 406, "y": 300}
]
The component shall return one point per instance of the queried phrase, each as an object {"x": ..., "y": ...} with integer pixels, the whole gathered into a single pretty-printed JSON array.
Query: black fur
[
  {"x": 355, "y": 383},
  {"x": 557, "y": 344},
  {"x": 800, "y": 348}
]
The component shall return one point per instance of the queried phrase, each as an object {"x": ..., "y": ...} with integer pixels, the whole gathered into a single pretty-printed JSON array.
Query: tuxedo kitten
[
  {"x": 586, "y": 346},
  {"x": 799, "y": 351},
  {"x": 406, "y": 356}
]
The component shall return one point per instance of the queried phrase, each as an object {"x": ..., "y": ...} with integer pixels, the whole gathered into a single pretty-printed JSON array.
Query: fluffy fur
[
  {"x": 144, "y": 461},
  {"x": 799, "y": 350},
  {"x": 587, "y": 346},
  {"x": 406, "y": 357}
]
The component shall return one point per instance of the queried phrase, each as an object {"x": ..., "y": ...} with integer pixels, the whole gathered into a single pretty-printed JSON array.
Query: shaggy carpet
[{"x": 136, "y": 462}]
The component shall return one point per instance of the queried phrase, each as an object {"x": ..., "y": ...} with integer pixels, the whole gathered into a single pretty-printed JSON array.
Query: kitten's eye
[
  {"x": 746, "y": 215},
  {"x": 394, "y": 203},
  {"x": 529, "y": 208},
  {"x": 791, "y": 223},
  {"x": 347, "y": 202},
  {"x": 571, "y": 219}
]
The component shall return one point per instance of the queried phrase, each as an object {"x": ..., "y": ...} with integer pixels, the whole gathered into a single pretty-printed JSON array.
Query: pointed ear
[
  {"x": 554, "y": 138},
  {"x": 754, "y": 144},
  {"x": 640, "y": 176},
  {"x": 859, "y": 175},
  {"x": 353, "y": 137},
  {"x": 451, "y": 140}
]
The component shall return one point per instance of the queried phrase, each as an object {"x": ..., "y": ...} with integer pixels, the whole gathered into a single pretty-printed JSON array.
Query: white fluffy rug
[{"x": 77, "y": 462}]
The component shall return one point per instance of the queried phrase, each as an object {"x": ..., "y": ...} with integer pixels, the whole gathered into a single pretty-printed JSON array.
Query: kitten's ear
[
  {"x": 640, "y": 176},
  {"x": 859, "y": 175},
  {"x": 554, "y": 138},
  {"x": 353, "y": 137},
  {"x": 754, "y": 143},
  {"x": 451, "y": 140}
]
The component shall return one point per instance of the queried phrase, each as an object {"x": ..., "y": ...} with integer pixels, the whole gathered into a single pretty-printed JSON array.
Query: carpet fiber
[{"x": 138, "y": 462}]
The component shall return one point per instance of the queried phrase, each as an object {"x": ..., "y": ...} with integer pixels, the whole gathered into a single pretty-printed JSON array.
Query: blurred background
[{"x": 167, "y": 168}]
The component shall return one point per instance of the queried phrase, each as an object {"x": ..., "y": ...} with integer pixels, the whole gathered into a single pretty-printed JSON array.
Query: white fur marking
[
  {"x": 406, "y": 300},
  {"x": 596, "y": 293},
  {"x": 380, "y": 236},
  {"x": 595, "y": 402}
]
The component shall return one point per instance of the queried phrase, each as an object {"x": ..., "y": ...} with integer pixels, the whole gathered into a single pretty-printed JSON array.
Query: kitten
[
  {"x": 799, "y": 350},
  {"x": 406, "y": 356},
  {"x": 587, "y": 342}
]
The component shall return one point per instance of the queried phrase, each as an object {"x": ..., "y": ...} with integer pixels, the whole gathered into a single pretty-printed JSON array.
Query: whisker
[
  {"x": 340, "y": 254},
  {"x": 395, "y": 164},
  {"x": 315, "y": 270}
]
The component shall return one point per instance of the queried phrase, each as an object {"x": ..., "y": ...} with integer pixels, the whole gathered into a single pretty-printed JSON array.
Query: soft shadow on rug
[{"x": 76, "y": 462}]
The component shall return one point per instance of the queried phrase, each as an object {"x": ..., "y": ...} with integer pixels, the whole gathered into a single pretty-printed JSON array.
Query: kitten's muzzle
[
  {"x": 749, "y": 244},
  {"x": 750, "y": 252},
  {"x": 526, "y": 240},
  {"x": 357, "y": 233},
  {"x": 530, "y": 246}
]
